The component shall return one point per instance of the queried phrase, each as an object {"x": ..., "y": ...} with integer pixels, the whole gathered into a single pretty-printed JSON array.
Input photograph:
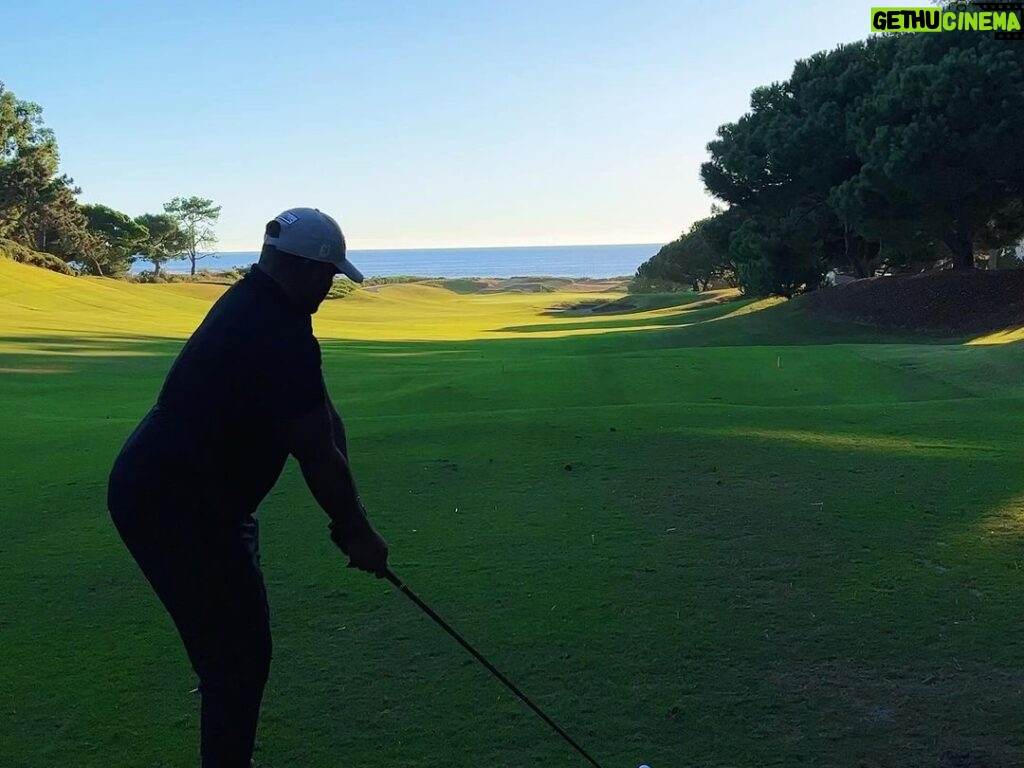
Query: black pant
[{"x": 208, "y": 577}]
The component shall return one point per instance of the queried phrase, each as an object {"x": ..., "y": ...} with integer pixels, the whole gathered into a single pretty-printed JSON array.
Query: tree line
[
  {"x": 40, "y": 211},
  {"x": 897, "y": 152}
]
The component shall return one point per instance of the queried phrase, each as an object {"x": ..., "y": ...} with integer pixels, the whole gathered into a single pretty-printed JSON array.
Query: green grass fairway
[{"x": 712, "y": 535}]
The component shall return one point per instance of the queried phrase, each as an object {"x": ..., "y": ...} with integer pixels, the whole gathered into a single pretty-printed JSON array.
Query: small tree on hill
[
  {"x": 116, "y": 236},
  {"x": 693, "y": 259},
  {"x": 165, "y": 241},
  {"x": 196, "y": 216}
]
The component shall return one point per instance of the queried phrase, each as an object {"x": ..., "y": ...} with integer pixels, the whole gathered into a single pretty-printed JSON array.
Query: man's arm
[
  {"x": 291, "y": 390},
  {"x": 312, "y": 440},
  {"x": 337, "y": 428}
]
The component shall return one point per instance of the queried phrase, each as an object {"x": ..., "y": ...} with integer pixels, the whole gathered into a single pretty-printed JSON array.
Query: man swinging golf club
[{"x": 245, "y": 392}]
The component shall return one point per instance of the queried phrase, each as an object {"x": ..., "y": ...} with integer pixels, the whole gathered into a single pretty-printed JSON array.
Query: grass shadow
[{"x": 687, "y": 315}]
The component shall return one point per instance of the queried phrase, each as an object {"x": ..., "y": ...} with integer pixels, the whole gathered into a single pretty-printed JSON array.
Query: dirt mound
[{"x": 947, "y": 301}]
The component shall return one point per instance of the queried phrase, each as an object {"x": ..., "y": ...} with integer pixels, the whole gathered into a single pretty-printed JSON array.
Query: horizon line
[{"x": 471, "y": 247}]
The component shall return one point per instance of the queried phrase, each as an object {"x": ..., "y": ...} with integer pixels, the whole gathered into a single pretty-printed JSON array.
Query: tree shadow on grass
[
  {"x": 851, "y": 581},
  {"x": 684, "y": 316},
  {"x": 632, "y": 304},
  {"x": 61, "y": 344}
]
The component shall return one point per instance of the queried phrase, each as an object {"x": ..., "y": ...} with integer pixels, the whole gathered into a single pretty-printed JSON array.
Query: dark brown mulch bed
[{"x": 947, "y": 301}]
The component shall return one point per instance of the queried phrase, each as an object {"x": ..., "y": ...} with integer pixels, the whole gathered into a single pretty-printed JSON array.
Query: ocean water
[{"x": 545, "y": 261}]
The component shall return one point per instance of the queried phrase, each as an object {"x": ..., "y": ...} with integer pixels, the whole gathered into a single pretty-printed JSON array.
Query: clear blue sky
[{"x": 416, "y": 124}]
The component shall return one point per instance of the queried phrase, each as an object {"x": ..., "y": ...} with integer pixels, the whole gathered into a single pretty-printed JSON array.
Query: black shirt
[{"x": 209, "y": 443}]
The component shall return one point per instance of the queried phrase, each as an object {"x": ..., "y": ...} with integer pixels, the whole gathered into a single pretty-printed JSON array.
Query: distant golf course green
[{"x": 697, "y": 533}]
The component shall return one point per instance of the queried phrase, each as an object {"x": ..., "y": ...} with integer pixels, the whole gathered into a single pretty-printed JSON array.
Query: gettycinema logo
[{"x": 1003, "y": 19}]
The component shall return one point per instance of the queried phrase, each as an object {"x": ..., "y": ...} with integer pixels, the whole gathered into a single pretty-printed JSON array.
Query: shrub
[{"x": 17, "y": 252}]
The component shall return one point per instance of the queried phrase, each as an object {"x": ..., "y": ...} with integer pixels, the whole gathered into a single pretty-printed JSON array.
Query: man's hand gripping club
[{"x": 317, "y": 440}]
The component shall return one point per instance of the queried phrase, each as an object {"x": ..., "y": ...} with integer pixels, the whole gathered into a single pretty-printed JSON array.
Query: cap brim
[{"x": 348, "y": 269}]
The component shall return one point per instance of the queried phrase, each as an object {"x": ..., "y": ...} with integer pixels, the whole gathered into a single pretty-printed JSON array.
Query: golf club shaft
[{"x": 390, "y": 576}]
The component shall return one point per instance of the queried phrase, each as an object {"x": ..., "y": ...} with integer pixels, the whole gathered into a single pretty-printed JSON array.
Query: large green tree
[
  {"x": 197, "y": 218},
  {"x": 164, "y": 241},
  {"x": 940, "y": 143},
  {"x": 37, "y": 204},
  {"x": 116, "y": 238},
  {"x": 776, "y": 167},
  {"x": 892, "y": 150}
]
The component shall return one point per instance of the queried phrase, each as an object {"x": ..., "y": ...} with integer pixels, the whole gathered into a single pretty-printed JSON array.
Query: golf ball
[{"x": 645, "y": 765}]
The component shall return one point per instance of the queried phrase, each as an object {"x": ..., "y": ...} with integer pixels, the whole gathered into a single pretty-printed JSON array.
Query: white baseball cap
[{"x": 310, "y": 234}]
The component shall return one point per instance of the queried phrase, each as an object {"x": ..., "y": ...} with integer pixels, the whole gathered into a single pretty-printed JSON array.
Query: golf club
[{"x": 390, "y": 576}]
